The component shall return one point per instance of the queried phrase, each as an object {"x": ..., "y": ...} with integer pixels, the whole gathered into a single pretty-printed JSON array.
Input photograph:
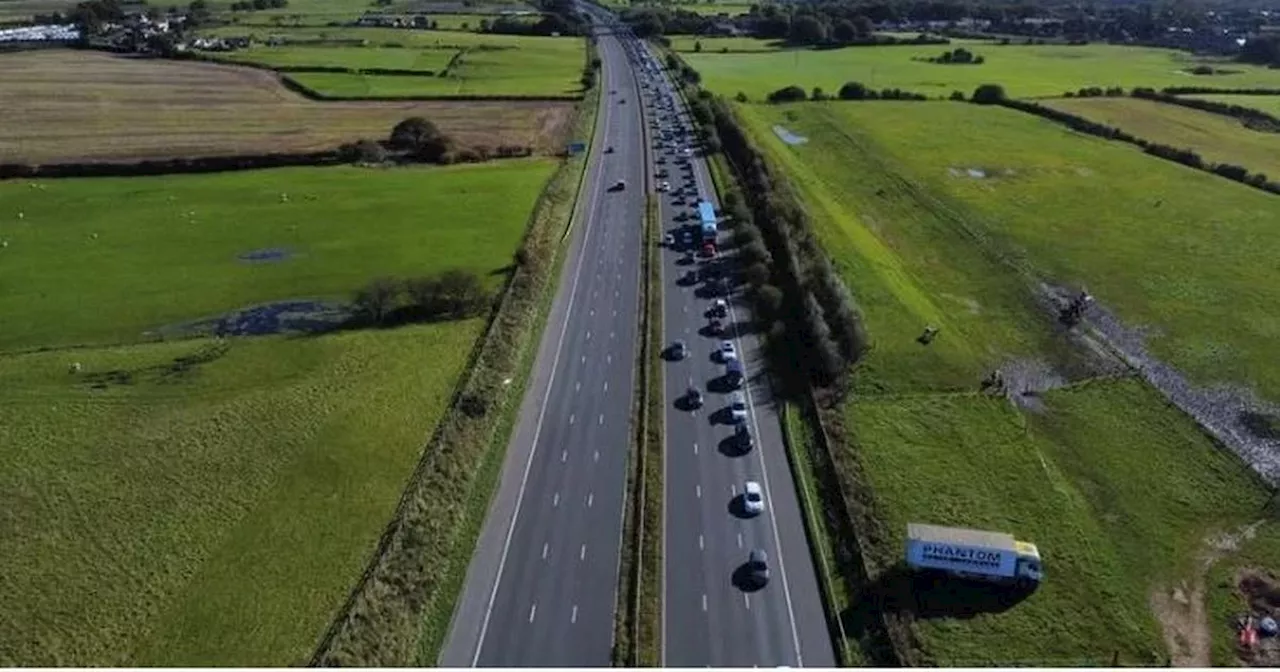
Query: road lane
[
  {"x": 705, "y": 542},
  {"x": 541, "y": 587}
]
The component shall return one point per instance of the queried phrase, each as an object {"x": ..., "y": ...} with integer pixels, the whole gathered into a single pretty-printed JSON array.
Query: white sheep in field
[
  {"x": 75, "y": 367},
  {"x": 4, "y": 243},
  {"x": 22, "y": 215}
]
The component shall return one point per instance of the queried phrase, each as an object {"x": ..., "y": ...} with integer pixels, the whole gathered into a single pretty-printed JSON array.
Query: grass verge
[
  {"x": 798, "y": 437},
  {"x": 400, "y": 611},
  {"x": 649, "y": 613}
]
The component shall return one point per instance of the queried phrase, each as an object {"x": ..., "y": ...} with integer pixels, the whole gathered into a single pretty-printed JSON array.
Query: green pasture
[
  {"x": 713, "y": 45},
  {"x": 1112, "y": 523},
  {"x": 1268, "y": 104},
  {"x": 1217, "y": 138},
  {"x": 1182, "y": 253},
  {"x": 490, "y": 65},
  {"x": 554, "y": 71},
  {"x": 104, "y": 260},
  {"x": 212, "y": 515},
  {"x": 1024, "y": 71},
  {"x": 921, "y": 241},
  {"x": 12, "y": 10},
  {"x": 430, "y": 60}
]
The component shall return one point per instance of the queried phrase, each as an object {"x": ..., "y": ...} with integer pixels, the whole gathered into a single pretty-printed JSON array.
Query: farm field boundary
[
  {"x": 399, "y": 611},
  {"x": 1177, "y": 155}
]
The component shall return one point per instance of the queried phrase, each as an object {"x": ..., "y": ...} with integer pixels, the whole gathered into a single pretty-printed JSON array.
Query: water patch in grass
[
  {"x": 281, "y": 317},
  {"x": 266, "y": 255},
  {"x": 789, "y": 137}
]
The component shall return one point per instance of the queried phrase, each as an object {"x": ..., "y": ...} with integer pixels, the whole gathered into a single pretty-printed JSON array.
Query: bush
[
  {"x": 957, "y": 95},
  {"x": 787, "y": 94},
  {"x": 853, "y": 91},
  {"x": 988, "y": 94}
]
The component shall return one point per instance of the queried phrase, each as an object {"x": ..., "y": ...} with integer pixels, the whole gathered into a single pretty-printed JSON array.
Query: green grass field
[
  {"x": 920, "y": 242},
  {"x": 214, "y": 517},
  {"x": 491, "y": 65},
  {"x": 200, "y": 502},
  {"x": 1024, "y": 71},
  {"x": 430, "y": 60},
  {"x": 152, "y": 264},
  {"x": 1183, "y": 252},
  {"x": 711, "y": 45},
  {"x": 1218, "y": 138},
  {"x": 1268, "y": 104},
  {"x": 1112, "y": 523}
]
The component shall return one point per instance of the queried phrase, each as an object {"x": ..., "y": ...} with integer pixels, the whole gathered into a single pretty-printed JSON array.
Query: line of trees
[
  {"x": 993, "y": 94},
  {"x": 388, "y": 301},
  {"x": 258, "y": 5},
  {"x": 849, "y": 91},
  {"x": 815, "y": 327},
  {"x": 957, "y": 56}
]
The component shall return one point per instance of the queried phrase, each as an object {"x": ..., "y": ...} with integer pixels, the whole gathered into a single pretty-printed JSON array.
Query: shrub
[
  {"x": 787, "y": 94},
  {"x": 988, "y": 94}
]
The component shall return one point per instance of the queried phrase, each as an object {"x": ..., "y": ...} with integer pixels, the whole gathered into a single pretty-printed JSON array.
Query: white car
[
  {"x": 727, "y": 352},
  {"x": 752, "y": 499},
  {"x": 737, "y": 408},
  {"x": 665, "y": 186}
]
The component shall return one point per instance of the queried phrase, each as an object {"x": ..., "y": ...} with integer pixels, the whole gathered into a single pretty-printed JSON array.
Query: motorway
[
  {"x": 541, "y": 587},
  {"x": 709, "y": 618}
]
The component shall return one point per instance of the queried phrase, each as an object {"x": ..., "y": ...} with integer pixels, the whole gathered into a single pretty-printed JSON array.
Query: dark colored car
[
  {"x": 694, "y": 397},
  {"x": 758, "y": 567}
]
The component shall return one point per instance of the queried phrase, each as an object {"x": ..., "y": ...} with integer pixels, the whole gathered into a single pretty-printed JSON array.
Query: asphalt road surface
[
  {"x": 542, "y": 583},
  {"x": 709, "y": 617}
]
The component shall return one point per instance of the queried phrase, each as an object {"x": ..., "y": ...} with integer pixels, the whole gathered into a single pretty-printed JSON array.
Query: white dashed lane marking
[
  {"x": 545, "y": 548},
  {"x": 533, "y": 611}
]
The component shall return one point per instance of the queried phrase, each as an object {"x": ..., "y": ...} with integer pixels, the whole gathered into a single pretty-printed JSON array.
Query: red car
[{"x": 708, "y": 250}]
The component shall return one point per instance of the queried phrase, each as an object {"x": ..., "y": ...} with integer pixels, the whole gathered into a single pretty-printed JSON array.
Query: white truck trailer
[{"x": 973, "y": 554}]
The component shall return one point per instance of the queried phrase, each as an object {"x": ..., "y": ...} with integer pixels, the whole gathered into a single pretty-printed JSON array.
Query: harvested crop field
[{"x": 86, "y": 106}]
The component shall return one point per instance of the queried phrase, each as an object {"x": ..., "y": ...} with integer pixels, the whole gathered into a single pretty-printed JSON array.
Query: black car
[
  {"x": 743, "y": 436},
  {"x": 758, "y": 567},
  {"x": 694, "y": 396}
]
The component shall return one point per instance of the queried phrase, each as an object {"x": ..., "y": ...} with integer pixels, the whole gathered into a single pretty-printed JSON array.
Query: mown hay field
[
  {"x": 105, "y": 260},
  {"x": 86, "y": 106},
  {"x": 1217, "y": 138},
  {"x": 1117, "y": 488},
  {"x": 1024, "y": 71},
  {"x": 478, "y": 64},
  {"x": 213, "y": 502}
]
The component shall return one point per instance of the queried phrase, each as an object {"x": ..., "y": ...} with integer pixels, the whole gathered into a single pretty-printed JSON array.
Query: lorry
[{"x": 972, "y": 554}]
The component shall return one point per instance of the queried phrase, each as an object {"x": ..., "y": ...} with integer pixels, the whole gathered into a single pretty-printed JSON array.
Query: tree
[
  {"x": 853, "y": 91},
  {"x": 462, "y": 292},
  {"x": 697, "y": 46},
  {"x": 368, "y": 151},
  {"x": 844, "y": 31},
  {"x": 818, "y": 94},
  {"x": 411, "y": 133},
  {"x": 787, "y": 94},
  {"x": 864, "y": 25},
  {"x": 957, "y": 95},
  {"x": 377, "y": 299},
  {"x": 988, "y": 94},
  {"x": 769, "y": 300},
  {"x": 756, "y": 274},
  {"x": 807, "y": 29}
]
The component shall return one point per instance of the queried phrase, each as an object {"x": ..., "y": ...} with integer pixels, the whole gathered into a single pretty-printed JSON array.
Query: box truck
[{"x": 973, "y": 554}]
